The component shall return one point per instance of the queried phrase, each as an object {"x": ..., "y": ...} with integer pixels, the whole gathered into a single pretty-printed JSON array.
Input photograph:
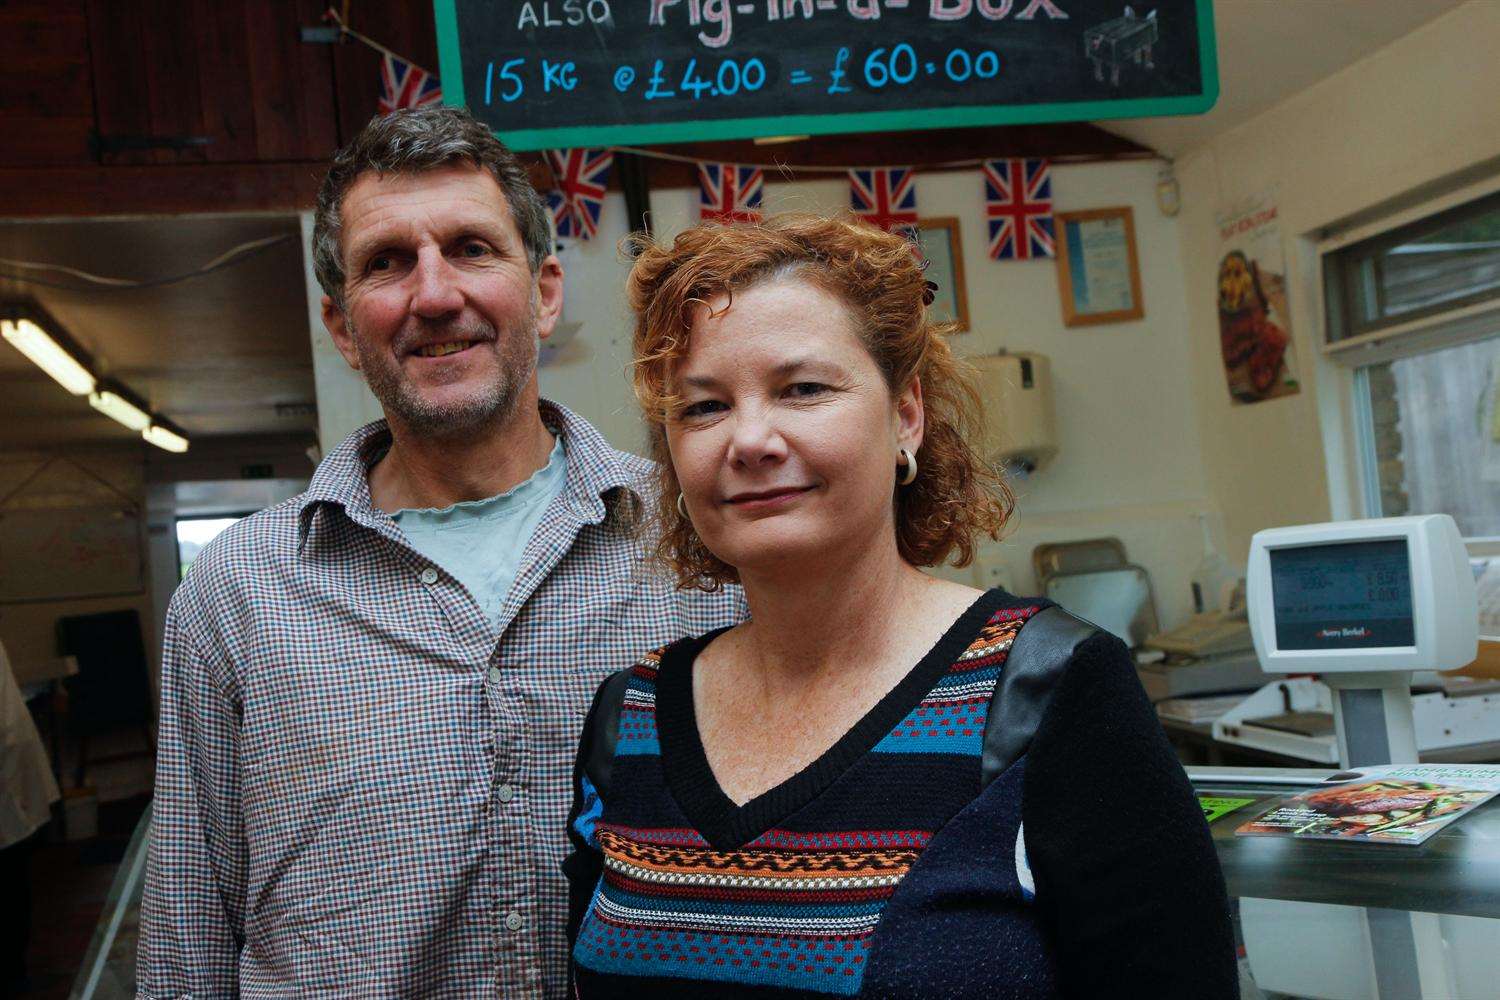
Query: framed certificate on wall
[{"x": 1098, "y": 275}]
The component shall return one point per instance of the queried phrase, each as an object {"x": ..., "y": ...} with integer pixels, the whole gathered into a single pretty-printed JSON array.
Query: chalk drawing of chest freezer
[{"x": 1116, "y": 42}]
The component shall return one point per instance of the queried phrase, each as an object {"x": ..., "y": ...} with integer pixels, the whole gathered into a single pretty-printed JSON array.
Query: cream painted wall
[
  {"x": 29, "y": 628},
  {"x": 1420, "y": 115},
  {"x": 1131, "y": 460}
]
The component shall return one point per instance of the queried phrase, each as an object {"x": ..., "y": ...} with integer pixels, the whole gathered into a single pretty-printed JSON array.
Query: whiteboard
[{"x": 70, "y": 552}]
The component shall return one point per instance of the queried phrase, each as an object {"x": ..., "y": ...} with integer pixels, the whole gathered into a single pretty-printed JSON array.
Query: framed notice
[
  {"x": 70, "y": 553},
  {"x": 550, "y": 74},
  {"x": 1098, "y": 275},
  {"x": 943, "y": 252}
]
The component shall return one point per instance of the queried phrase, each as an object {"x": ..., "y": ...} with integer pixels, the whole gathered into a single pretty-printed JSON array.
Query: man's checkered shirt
[{"x": 362, "y": 785}]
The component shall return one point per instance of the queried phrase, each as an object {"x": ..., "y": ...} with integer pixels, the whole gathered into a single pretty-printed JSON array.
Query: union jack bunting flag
[
  {"x": 886, "y": 197},
  {"x": 728, "y": 192},
  {"x": 582, "y": 177},
  {"x": 1018, "y": 201},
  {"x": 405, "y": 85}
]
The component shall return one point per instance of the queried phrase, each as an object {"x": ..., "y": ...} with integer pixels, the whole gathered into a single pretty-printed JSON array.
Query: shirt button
[
  {"x": 505, "y": 793},
  {"x": 493, "y": 674},
  {"x": 429, "y": 575},
  {"x": 513, "y": 921}
]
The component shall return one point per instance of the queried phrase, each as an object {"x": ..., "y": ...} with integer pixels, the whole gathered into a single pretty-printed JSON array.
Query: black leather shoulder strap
[
  {"x": 1037, "y": 658},
  {"x": 603, "y": 730}
]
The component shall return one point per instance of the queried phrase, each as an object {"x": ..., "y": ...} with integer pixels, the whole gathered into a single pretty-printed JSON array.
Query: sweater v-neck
[{"x": 729, "y": 826}]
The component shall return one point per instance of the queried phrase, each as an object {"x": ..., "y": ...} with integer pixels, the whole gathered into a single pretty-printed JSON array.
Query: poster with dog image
[{"x": 1255, "y": 331}]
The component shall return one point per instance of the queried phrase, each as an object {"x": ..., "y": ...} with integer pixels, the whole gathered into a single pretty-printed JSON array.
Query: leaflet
[
  {"x": 1218, "y": 806},
  {"x": 1386, "y": 804}
]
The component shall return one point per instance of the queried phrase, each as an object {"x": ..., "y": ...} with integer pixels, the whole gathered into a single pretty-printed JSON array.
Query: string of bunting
[
  {"x": 1017, "y": 192},
  {"x": 1017, "y": 198}
]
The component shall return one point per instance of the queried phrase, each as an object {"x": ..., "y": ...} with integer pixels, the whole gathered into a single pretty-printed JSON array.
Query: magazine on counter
[{"x": 1385, "y": 804}]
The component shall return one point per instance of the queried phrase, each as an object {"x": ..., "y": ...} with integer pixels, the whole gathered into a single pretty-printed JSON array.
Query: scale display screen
[{"x": 1346, "y": 595}]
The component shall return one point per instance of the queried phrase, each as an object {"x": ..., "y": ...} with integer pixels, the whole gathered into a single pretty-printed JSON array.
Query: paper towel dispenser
[{"x": 1020, "y": 422}]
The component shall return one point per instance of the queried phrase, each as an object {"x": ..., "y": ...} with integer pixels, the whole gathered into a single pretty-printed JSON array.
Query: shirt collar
[{"x": 594, "y": 470}]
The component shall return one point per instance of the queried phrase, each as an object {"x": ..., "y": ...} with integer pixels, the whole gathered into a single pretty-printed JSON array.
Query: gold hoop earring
[
  {"x": 908, "y": 475},
  {"x": 682, "y": 507}
]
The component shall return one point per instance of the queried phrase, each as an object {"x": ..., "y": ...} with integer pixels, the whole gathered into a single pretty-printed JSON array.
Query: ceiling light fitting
[
  {"x": 166, "y": 437},
  {"x": 53, "y": 353},
  {"x": 50, "y": 348},
  {"x": 116, "y": 403}
]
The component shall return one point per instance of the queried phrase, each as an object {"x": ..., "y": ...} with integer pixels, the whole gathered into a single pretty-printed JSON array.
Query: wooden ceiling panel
[
  {"x": 44, "y": 60},
  {"x": 406, "y": 28},
  {"x": 225, "y": 90},
  {"x": 122, "y": 91},
  {"x": 174, "y": 60},
  {"x": 290, "y": 81}
]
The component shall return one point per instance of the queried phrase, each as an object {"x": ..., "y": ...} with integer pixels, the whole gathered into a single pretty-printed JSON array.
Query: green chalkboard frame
[{"x": 451, "y": 73}]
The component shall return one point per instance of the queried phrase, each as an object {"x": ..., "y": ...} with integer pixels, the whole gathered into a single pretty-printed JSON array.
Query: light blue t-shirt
[{"x": 481, "y": 541}]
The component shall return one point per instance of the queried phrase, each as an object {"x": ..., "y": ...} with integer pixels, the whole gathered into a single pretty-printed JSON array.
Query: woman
[{"x": 876, "y": 786}]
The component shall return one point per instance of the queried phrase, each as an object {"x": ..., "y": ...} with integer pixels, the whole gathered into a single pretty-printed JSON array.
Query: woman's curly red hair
[{"x": 956, "y": 497}]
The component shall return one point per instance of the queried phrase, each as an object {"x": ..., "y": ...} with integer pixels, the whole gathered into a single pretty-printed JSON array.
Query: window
[
  {"x": 193, "y": 533},
  {"x": 1432, "y": 434}
]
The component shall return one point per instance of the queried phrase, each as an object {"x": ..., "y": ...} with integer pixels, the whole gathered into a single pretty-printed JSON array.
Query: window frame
[
  {"x": 1342, "y": 274},
  {"x": 1345, "y": 410},
  {"x": 177, "y": 540}
]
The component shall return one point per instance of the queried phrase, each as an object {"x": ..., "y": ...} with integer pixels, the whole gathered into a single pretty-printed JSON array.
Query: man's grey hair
[{"x": 410, "y": 142}]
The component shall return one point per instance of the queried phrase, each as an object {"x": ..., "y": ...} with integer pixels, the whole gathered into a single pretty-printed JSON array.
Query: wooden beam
[{"x": 165, "y": 189}]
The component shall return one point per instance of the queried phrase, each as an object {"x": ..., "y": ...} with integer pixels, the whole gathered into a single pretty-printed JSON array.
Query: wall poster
[{"x": 1255, "y": 330}]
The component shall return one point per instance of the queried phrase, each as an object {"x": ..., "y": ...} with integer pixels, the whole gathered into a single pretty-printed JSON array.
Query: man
[{"x": 371, "y": 692}]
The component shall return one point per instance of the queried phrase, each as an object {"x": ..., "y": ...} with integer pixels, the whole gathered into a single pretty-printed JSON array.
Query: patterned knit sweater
[{"x": 885, "y": 868}]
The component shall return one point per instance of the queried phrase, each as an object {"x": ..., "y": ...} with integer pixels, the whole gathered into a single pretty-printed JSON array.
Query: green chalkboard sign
[{"x": 562, "y": 73}]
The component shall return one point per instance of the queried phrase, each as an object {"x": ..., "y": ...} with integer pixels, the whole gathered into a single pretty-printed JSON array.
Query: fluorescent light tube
[
  {"x": 161, "y": 437},
  {"x": 119, "y": 408},
  {"x": 32, "y": 341}
]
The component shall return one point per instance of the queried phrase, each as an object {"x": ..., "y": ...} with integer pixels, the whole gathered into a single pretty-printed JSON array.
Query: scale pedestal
[
  {"x": 1372, "y": 717},
  {"x": 1374, "y": 724}
]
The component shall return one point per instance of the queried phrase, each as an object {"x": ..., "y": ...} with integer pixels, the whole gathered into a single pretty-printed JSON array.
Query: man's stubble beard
[{"x": 518, "y": 348}]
